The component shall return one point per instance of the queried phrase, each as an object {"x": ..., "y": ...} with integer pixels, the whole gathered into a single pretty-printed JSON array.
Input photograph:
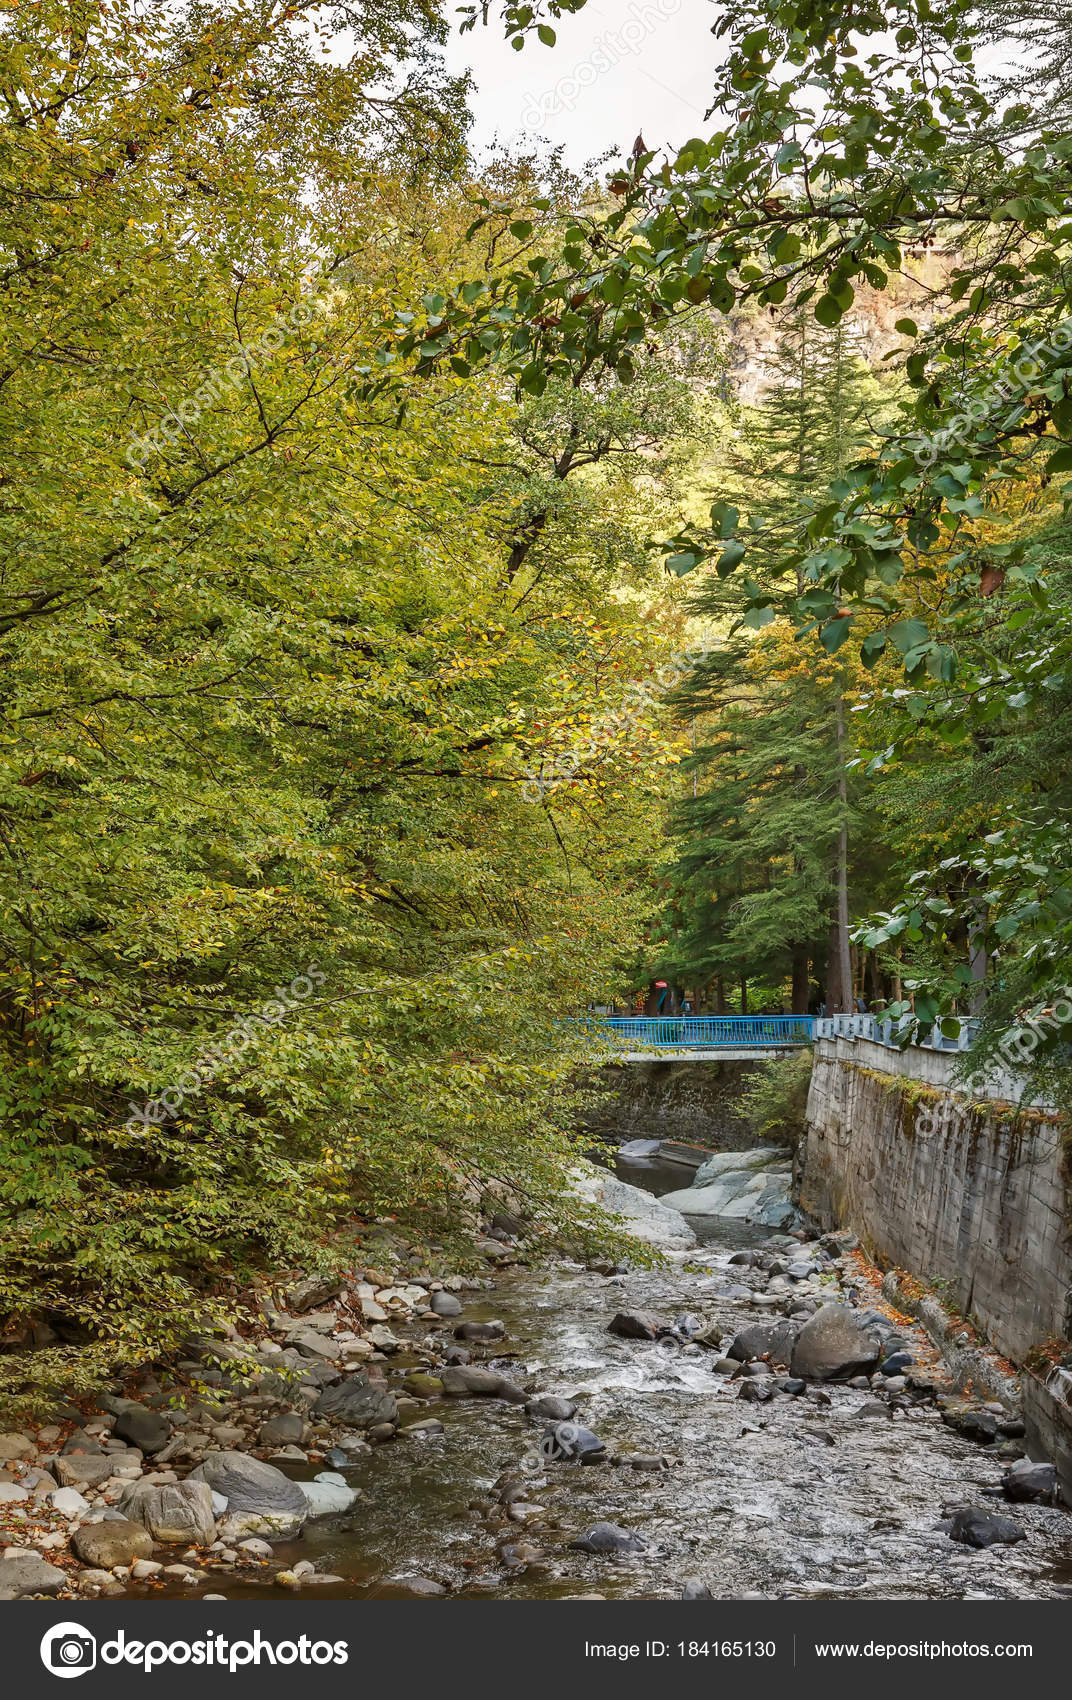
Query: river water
[{"x": 798, "y": 1498}]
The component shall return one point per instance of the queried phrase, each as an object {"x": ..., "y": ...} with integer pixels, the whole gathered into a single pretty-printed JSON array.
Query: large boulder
[
  {"x": 724, "y": 1163},
  {"x": 445, "y": 1304},
  {"x": 832, "y": 1345},
  {"x": 643, "y": 1216},
  {"x": 148, "y": 1430},
  {"x": 175, "y": 1513},
  {"x": 763, "y": 1339},
  {"x": 25, "y": 1574},
  {"x": 254, "y": 1489},
  {"x": 115, "y": 1541},
  {"x": 753, "y": 1186},
  {"x": 358, "y": 1402},
  {"x": 465, "y": 1381},
  {"x": 286, "y": 1428}
]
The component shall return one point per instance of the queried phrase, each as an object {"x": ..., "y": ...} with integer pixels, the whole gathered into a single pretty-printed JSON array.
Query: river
[{"x": 798, "y": 1498}]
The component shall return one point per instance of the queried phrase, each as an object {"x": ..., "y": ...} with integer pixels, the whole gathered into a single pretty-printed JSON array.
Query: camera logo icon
[{"x": 68, "y": 1650}]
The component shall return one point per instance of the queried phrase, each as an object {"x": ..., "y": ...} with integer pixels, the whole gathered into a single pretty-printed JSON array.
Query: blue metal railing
[{"x": 704, "y": 1032}]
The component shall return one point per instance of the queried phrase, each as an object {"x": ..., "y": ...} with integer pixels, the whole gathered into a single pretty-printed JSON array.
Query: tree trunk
[
  {"x": 843, "y": 958},
  {"x": 744, "y": 994},
  {"x": 720, "y": 995}
]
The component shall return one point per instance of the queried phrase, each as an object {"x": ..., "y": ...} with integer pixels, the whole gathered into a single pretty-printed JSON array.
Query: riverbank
[{"x": 723, "y": 1454}]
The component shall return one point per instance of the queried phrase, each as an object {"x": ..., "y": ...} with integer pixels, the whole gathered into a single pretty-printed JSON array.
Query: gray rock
[
  {"x": 445, "y": 1304},
  {"x": 80, "y": 1470},
  {"x": 633, "y": 1325},
  {"x": 284, "y": 1429},
  {"x": 461, "y": 1381},
  {"x": 974, "y": 1527},
  {"x": 175, "y": 1513},
  {"x": 564, "y": 1440},
  {"x": 358, "y": 1402},
  {"x": 832, "y": 1344},
  {"x": 645, "y": 1217},
  {"x": 980, "y": 1426},
  {"x": 480, "y": 1331},
  {"x": 775, "y": 1339},
  {"x": 694, "y": 1589},
  {"x": 251, "y": 1486},
  {"x": 549, "y": 1408},
  {"x": 604, "y": 1538},
  {"x": 26, "y": 1574},
  {"x": 148, "y": 1430},
  {"x": 313, "y": 1290},
  {"x": 640, "y": 1148},
  {"x": 82, "y": 1442},
  {"x": 104, "y": 1545},
  {"x": 1026, "y": 1482}
]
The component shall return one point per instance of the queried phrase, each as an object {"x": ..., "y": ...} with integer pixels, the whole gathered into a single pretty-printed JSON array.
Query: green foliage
[
  {"x": 272, "y": 676},
  {"x": 774, "y": 1101}
]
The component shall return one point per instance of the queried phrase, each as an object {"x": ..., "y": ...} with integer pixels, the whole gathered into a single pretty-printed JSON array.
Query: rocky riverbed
[{"x": 751, "y": 1420}]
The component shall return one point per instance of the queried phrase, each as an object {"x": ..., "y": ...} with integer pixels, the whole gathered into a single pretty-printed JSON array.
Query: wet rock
[
  {"x": 640, "y": 1148},
  {"x": 548, "y": 1407},
  {"x": 974, "y": 1527},
  {"x": 418, "y": 1587},
  {"x": 357, "y": 1401},
  {"x": 460, "y": 1381},
  {"x": 1027, "y": 1482},
  {"x": 253, "y": 1489},
  {"x": 873, "y": 1408},
  {"x": 745, "y": 1258},
  {"x": 980, "y": 1426},
  {"x": 175, "y": 1514},
  {"x": 604, "y": 1538},
  {"x": 421, "y": 1386},
  {"x": 456, "y": 1355},
  {"x": 117, "y": 1541},
  {"x": 694, "y": 1589},
  {"x": 326, "y": 1494},
  {"x": 148, "y": 1430},
  {"x": 791, "y": 1384},
  {"x": 565, "y": 1440},
  {"x": 832, "y": 1345},
  {"x": 284, "y": 1429},
  {"x": 756, "y": 1390},
  {"x": 760, "y": 1338},
  {"x": 633, "y": 1325},
  {"x": 422, "y": 1428},
  {"x": 645, "y": 1217},
  {"x": 445, "y": 1304},
  {"x": 687, "y": 1325},
  {"x": 26, "y": 1574},
  {"x": 897, "y": 1363},
  {"x": 480, "y": 1331}
]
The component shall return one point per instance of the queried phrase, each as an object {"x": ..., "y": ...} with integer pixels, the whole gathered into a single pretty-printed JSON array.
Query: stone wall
[
  {"x": 691, "y": 1102},
  {"x": 979, "y": 1200}
]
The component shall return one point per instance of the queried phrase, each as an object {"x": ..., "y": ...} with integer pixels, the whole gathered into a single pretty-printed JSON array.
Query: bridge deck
[{"x": 698, "y": 1038}]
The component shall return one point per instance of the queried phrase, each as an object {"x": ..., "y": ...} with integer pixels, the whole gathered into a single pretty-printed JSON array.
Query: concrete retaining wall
[{"x": 976, "y": 1197}]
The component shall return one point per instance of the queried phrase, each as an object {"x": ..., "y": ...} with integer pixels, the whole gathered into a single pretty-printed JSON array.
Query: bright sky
[{"x": 618, "y": 67}]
